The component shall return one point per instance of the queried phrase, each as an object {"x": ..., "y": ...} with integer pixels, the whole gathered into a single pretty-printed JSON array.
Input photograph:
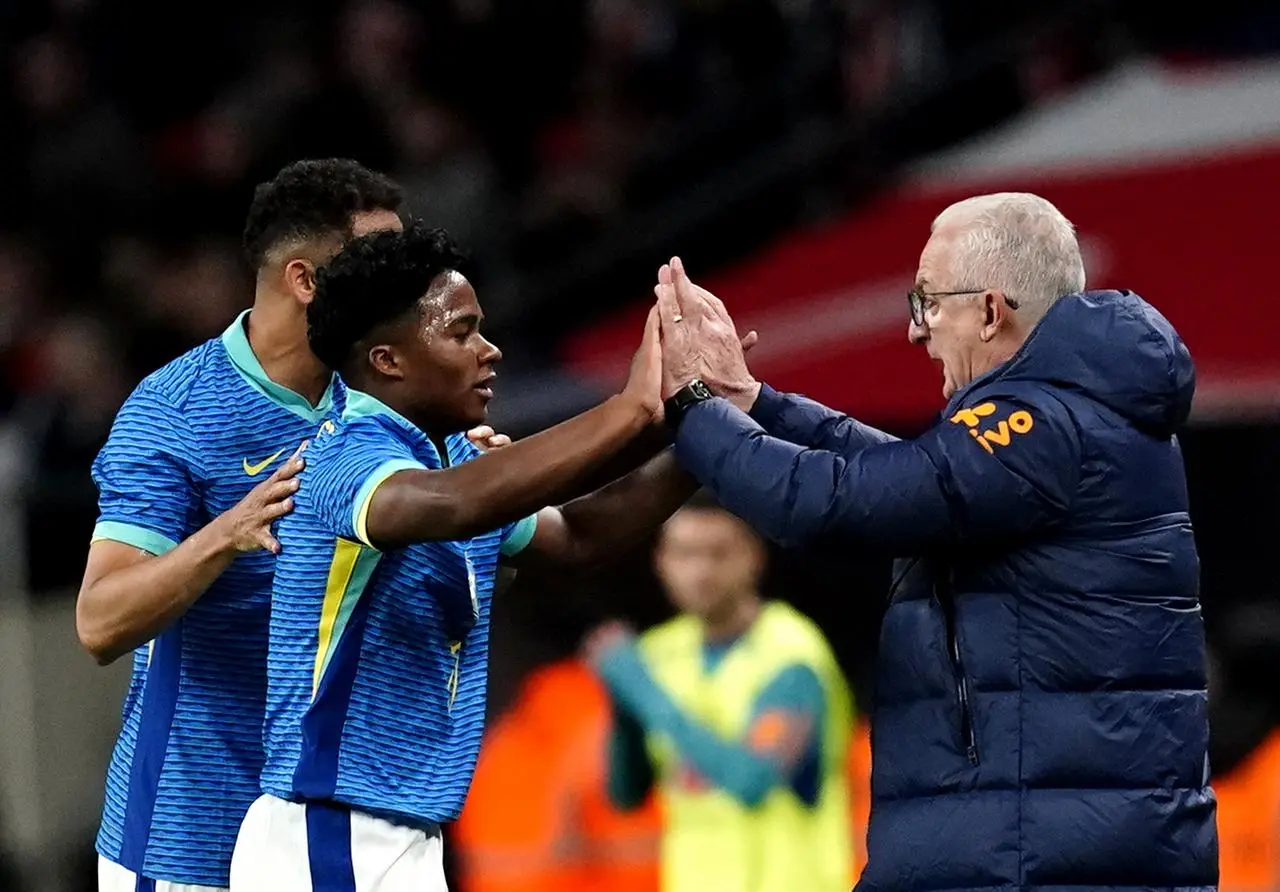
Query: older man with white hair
[{"x": 1040, "y": 712}]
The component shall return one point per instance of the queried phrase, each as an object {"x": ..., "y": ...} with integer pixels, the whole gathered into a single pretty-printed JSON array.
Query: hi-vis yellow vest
[{"x": 711, "y": 842}]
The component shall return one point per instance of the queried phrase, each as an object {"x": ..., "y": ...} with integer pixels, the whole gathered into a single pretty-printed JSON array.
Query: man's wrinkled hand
[
  {"x": 700, "y": 340},
  {"x": 681, "y": 345}
]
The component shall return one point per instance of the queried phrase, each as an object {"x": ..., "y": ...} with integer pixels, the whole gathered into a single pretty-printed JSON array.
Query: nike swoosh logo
[{"x": 255, "y": 470}]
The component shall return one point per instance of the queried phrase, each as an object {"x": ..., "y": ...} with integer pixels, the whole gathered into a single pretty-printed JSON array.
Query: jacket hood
[{"x": 1113, "y": 347}]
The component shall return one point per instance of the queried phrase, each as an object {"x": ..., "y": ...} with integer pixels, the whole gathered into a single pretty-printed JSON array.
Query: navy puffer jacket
[{"x": 1040, "y": 717}]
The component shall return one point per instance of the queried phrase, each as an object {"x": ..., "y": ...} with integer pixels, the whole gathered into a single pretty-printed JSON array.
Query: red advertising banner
[{"x": 1194, "y": 236}]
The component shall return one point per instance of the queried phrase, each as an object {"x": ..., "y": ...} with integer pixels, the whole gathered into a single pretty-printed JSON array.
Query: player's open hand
[
  {"x": 248, "y": 524},
  {"x": 644, "y": 383},
  {"x": 486, "y": 439}
]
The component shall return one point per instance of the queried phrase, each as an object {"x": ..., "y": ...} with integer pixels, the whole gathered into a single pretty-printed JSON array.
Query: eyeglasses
[{"x": 917, "y": 296}]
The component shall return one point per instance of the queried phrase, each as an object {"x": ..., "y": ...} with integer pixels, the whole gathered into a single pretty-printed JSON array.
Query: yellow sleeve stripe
[
  {"x": 364, "y": 497},
  {"x": 340, "y": 570},
  {"x": 349, "y": 574}
]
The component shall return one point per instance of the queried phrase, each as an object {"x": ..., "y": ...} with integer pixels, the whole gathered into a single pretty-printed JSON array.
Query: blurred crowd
[{"x": 134, "y": 133}]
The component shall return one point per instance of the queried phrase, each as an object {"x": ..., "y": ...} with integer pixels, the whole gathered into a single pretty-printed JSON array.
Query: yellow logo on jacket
[{"x": 988, "y": 434}]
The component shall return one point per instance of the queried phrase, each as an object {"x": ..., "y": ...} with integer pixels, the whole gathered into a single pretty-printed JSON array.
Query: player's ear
[
  {"x": 386, "y": 360},
  {"x": 300, "y": 279}
]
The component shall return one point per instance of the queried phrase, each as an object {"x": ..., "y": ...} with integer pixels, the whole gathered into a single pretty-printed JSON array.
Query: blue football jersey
[
  {"x": 377, "y": 667},
  {"x": 188, "y": 444}
]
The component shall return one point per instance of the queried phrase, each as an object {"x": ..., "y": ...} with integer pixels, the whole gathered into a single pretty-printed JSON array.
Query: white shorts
[
  {"x": 114, "y": 878},
  {"x": 295, "y": 847}
]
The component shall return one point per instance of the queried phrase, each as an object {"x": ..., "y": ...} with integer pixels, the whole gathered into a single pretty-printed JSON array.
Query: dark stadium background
[{"x": 572, "y": 146}]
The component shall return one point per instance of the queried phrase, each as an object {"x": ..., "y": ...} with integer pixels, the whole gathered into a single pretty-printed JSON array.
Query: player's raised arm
[
  {"x": 145, "y": 565},
  {"x": 515, "y": 481},
  {"x": 395, "y": 316},
  {"x": 602, "y": 526}
]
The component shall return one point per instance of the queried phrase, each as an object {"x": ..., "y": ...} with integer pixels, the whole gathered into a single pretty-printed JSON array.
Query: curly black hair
[
  {"x": 373, "y": 281},
  {"x": 313, "y": 198}
]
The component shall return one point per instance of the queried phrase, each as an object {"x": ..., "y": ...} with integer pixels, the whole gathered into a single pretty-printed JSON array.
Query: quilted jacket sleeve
[
  {"x": 804, "y": 422},
  {"x": 999, "y": 468}
]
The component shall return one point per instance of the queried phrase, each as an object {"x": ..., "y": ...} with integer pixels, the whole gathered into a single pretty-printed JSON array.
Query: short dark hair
[
  {"x": 704, "y": 501},
  {"x": 311, "y": 199},
  {"x": 374, "y": 280}
]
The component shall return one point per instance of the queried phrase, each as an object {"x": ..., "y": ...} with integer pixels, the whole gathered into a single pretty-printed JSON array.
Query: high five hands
[
  {"x": 699, "y": 340},
  {"x": 689, "y": 335}
]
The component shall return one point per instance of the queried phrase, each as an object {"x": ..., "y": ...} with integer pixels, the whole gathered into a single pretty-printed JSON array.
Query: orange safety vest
[
  {"x": 620, "y": 848},
  {"x": 538, "y": 818},
  {"x": 860, "y": 792},
  {"x": 1249, "y": 821}
]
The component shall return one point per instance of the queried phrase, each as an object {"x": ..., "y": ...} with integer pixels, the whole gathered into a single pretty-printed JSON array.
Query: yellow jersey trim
[{"x": 349, "y": 573}]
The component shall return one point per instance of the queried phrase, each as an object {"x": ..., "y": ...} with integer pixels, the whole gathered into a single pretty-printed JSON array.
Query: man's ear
[
  {"x": 995, "y": 314},
  {"x": 386, "y": 361},
  {"x": 300, "y": 279}
]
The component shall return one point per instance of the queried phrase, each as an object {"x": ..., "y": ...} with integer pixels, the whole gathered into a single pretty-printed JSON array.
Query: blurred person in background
[
  {"x": 1041, "y": 715},
  {"x": 380, "y": 607},
  {"x": 1244, "y": 749},
  {"x": 198, "y": 466},
  {"x": 737, "y": 712},
  {"x": 183, "y": 296},
  {"x": 84, "y": 163},
  {"x": 22, "y": 304},
  {"x": 82, "y": 382},
  {"x": 859, "y": 767},
  {"x": 538, "y": 817}
]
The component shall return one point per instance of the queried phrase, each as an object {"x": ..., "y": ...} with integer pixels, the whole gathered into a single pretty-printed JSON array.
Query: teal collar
[
  {"x": 360, "y": 404},
  {"x": 236, "y": 341}
]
